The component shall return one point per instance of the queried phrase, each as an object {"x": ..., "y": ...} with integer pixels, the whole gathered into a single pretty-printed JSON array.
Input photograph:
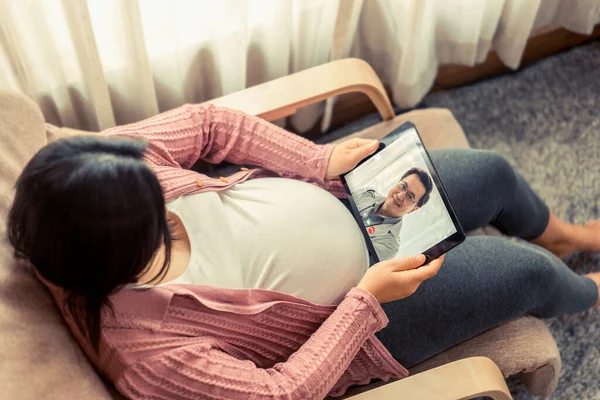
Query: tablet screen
[{"x": 398, "y": 200}]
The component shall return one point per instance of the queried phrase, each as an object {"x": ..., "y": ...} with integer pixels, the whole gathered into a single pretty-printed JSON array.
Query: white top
[{"x": 273, "y": 233}]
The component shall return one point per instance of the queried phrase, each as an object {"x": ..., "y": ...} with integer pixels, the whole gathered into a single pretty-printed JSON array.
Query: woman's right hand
[{"x": 398, "y": 278}]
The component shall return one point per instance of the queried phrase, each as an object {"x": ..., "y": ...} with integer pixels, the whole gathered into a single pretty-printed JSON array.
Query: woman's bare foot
[
  {"x": 561, "y": 249},
  {"x": 564, "y": 238},
  {"x": 585, "y": 237},
  {"x": 595, "y": 276}
]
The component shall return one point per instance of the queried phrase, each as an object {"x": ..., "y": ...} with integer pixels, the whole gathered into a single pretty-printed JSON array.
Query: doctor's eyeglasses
[{"x": 409, "y": 195}]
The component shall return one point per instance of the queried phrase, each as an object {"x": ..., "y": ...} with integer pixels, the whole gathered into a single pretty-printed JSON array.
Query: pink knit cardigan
[{"x": 192, "y": 341}]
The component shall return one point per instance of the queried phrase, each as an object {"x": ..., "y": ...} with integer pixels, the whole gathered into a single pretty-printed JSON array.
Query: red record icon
[{"x": 371, "y": 230}]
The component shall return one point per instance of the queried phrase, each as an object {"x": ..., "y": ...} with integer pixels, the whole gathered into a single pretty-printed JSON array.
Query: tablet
[{"x": 399, "y": 201}]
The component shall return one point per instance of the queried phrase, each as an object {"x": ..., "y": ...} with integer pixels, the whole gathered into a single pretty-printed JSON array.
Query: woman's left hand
[{"x": 347, "y": 154}]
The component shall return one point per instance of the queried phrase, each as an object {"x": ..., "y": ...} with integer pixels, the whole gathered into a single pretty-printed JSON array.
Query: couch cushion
[
  {"x": 40, "y": 359},
  {"x": 521, "y": 347}
]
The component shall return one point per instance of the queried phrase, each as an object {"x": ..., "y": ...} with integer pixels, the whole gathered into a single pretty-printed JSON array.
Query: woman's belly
[
  {"x": 291, "y": 236},
  {"x": 296, "y": 238}
]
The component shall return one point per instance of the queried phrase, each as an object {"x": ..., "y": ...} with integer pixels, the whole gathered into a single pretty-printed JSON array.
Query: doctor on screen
[{"x": 382, "y": 215}]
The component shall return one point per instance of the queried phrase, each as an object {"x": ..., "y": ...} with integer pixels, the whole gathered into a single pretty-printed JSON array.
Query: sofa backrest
[{"x": 40, "y": 358}]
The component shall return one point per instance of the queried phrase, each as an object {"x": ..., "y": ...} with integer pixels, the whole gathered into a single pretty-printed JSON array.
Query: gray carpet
[{"x": 545, "y": 119}]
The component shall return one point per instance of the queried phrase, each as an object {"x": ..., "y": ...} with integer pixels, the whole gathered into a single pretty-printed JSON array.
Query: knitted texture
[
  {"x": 282, "y": 349},
  {"x": 178, "y": 138},
  {"x": 191, "y": 341}
]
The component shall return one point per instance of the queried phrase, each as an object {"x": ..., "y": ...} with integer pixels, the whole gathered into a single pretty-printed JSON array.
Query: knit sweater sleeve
[
  {"x": 178, "y": 138},
  {"x": 201, "y": 371}
]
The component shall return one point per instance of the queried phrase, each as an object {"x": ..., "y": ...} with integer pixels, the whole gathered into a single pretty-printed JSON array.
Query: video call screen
[{"x": 398, "y": 201}]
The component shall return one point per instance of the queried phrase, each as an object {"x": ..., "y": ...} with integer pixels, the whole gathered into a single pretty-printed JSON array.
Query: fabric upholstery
[
  {"x": 524, "y": 346},
  {"x": 40, "y": 359}
]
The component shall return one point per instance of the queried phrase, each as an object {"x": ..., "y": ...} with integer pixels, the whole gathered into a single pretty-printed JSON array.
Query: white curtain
[
  {"x": 91, "y": 64},
  {"x": 406, "y": 41}
]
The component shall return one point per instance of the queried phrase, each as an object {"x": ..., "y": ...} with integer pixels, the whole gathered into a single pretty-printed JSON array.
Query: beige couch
[{"x": 40, "y": 359}]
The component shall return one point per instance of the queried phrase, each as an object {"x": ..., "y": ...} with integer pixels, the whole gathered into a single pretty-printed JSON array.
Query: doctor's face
[{"x": 403, "y": 197}]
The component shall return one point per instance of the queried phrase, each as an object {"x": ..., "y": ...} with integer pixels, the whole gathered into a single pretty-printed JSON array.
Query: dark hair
[
  {"x": 425, "y": 180},
  {"x": 89, "y": 215}
]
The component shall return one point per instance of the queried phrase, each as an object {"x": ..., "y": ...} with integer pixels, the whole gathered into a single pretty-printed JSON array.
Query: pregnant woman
[{"x": 180, "y": 286}]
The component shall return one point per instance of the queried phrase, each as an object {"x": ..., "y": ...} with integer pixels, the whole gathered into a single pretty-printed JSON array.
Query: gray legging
[{"x": 486, "y": 280}]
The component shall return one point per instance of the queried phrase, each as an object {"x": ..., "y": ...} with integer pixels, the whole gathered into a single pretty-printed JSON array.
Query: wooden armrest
[
  {"x": 282, "y": 97},
  {"x": 463, "y": 379}
]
